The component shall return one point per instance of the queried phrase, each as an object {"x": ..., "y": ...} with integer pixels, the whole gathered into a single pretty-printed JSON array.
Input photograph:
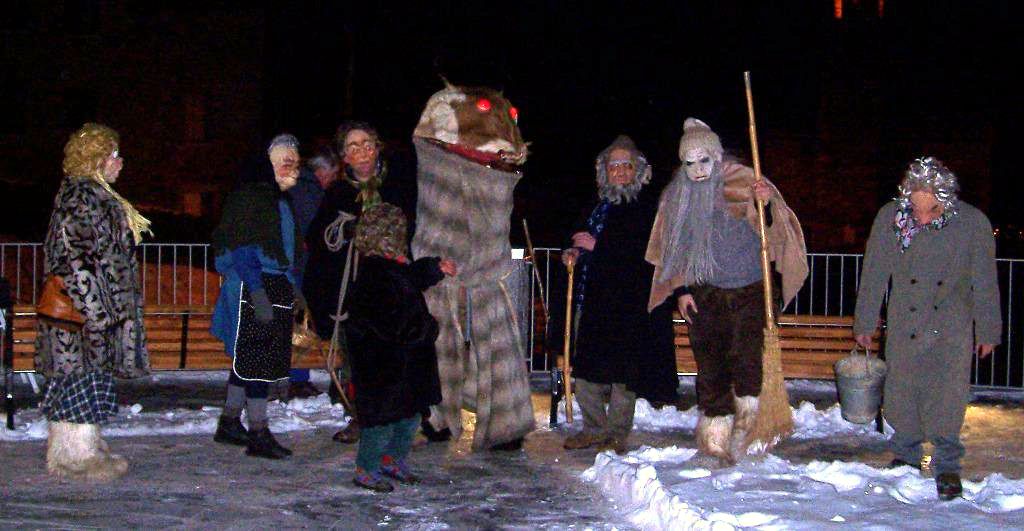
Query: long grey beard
[
  {"x": 688, "y": 251},
  {"x": 616, "y": 193}
]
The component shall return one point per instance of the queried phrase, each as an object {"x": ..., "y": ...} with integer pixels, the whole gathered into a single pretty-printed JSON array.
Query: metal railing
[
  {"x": 179, "y": 274},
  {"x": 183, "y": 274}
]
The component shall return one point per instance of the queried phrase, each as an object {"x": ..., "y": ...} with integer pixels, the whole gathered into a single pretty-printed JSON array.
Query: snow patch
[
  {"x": 663, "y": 489},
  {"x": 132, "y": 421}
]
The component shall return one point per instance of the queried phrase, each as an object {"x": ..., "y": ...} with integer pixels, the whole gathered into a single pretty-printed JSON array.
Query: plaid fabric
[{"x": 81, "y": 398}]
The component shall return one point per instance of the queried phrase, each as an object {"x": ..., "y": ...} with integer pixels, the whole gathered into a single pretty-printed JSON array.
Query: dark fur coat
[
  {"x": 391, "y": 340},
  {"x": 90, "y": 245}
]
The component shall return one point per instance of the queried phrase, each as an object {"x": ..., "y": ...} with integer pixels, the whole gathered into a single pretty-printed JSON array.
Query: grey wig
[
  {"x": 929, "y": 174},
  {"x": 614, "y": 193},
  {"x": 283, "y": 140},
  {"x": 325, "y": 158}
]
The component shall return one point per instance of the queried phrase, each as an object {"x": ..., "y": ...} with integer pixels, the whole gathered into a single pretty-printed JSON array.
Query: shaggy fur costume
[
  {"x": 77, "y": 451},
  {"x": 463, "y": 213},
  {"x": 713, "y": 436}
]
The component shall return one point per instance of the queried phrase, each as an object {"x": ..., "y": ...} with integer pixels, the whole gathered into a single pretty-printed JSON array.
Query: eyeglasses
[
  {"x": 627, "y": 164},
  {"x": 365, "y": 145}
]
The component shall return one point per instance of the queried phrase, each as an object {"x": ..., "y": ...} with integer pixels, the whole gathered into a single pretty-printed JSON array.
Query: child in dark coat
[{"x": 391, "y": 341}]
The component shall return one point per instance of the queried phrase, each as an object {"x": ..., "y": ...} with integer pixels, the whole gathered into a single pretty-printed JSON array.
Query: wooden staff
[
  {"x": 774, "y": 417},
  {"x": 536, "y": 274},
  {"x": 566, "y": 367}
]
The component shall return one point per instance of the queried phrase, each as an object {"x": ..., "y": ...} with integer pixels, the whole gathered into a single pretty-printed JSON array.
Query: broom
[{"x": 774, "y": 417}]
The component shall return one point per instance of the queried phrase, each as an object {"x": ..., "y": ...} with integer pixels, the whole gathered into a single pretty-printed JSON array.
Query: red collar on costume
[{"x": 400, "y": 259}]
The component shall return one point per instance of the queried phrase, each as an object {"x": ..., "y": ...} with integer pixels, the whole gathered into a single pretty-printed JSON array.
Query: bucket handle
[{"x": 867, "y": 354}]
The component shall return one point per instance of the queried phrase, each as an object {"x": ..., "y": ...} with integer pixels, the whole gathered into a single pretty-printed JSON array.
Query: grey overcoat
[{"x": 944, "y": 283}]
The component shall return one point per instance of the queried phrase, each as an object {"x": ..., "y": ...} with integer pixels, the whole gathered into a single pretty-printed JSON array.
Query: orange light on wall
[
  {"x": 881, "y": 8},
  {"x": 837, "y": 9}
]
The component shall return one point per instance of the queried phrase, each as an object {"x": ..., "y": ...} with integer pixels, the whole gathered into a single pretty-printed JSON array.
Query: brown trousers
[{"x": 727, "y": 337}]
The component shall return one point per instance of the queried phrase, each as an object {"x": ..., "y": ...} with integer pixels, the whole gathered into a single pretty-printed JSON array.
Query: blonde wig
[
  {"x": 84, "y": 156},
  {"x": 88, "y": 148}
]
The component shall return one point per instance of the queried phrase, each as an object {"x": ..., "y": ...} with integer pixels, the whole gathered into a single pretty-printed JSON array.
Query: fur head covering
[
  {"x": 84, "y": 156},
  {"x": 613, "y": 193},
  {"x": 381, "y": 231},
  {"x": 931, "y": 175},
  {"x": 697, "y": 134}
]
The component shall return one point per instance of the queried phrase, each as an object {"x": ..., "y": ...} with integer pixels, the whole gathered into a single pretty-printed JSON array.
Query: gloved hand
[
  {"x": 264, "y": 311},
  {"x": 300, "y": 301}
]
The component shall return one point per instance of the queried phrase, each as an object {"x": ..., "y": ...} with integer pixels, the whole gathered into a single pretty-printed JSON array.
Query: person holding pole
[
  {"x": 939, "y": 253},
  {"x": 706, "y": 251},
  {"x": 622, "y": 351}
]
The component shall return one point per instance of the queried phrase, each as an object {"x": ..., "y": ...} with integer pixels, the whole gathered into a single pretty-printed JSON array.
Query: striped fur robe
[{"x": 463, "y": 213}]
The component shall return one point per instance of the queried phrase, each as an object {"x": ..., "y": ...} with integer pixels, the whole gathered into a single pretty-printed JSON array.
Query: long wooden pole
[
  {"x": 566, "y": 365},
  {"x": 774, "y": 418},
  {"x": 536, "y": 273},
  {"x": 766, "y": 270}
]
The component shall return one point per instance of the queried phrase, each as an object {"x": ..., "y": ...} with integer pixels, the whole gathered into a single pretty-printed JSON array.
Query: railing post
[{"x": 184, "y": 339}]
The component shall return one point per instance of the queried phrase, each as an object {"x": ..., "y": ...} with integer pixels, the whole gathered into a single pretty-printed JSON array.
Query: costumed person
[
  {"x": 622, "y": 351},
  {"x": 90, "y": 247},
  {"x": 939, "y": 254},
  {"x": 706, "y": 251},
  {"x": 469, "y": 151},
  {"x": 320, "y": 173},
  {"x": 391, "y": 337},
  {"x": 257, "y": 245},
  {"x": 369, "y": 177}
]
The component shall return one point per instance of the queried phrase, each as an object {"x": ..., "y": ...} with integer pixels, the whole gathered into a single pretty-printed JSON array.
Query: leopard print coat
[{"x": 90, "y": 245}]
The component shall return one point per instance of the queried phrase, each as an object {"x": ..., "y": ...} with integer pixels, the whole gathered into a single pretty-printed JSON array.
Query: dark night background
[{"x": 843, "y": 103}]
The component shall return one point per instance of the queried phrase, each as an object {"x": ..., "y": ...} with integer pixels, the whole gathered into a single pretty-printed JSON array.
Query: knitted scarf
[
  {"x": 369, "y": 190},
  {"x": 906, "y": 228}
]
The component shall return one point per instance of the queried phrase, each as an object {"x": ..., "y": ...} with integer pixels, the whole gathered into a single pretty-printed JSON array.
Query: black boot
[
  {"x": 896, "y": 463},
  {"x": 948, "y": 485},
  {"x": 349, "y": 434},
  {"x": 263, "y": 444},
  {"x": 433, "y": 435},
  {"x": 231, "y": 431}
]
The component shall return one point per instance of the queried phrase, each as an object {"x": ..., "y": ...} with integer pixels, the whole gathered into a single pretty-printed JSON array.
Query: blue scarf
[{"x": 595, "y": 224}]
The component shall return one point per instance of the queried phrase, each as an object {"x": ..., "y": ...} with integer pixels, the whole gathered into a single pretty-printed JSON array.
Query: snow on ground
[
  {"x": 810, "y": 422},
  {"x": 297, "y": 414},
  {"x": 666, "y": 489},
  {"x": 663, "y": 489}
]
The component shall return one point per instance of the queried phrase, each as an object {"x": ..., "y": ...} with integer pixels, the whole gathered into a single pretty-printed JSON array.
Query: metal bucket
[{"x": 860, "y": 379}]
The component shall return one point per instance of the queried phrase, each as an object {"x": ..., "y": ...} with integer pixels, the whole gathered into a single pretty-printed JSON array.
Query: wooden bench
[
  {"x": 178, "y": 337},
  {"x": 811, "y": 344}
]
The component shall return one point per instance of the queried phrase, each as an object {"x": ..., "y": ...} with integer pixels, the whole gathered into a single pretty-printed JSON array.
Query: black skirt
[{"x": 264, "y": 351}]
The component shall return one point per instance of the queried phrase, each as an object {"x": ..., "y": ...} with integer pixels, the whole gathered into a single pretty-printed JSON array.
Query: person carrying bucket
[{"x": 940, "y": 254}]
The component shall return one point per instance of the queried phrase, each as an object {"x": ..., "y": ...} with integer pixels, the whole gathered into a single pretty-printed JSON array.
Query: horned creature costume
[{"x": 469, "y": 148}]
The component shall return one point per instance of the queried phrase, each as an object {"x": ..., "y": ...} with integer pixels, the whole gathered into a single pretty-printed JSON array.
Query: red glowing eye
[
  {"x": 483, "y": 104},
  {"x": 514, "y": 114}
]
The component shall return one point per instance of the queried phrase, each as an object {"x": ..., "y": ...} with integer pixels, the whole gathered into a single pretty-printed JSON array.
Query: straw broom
[{"x": 774, "y": 417}]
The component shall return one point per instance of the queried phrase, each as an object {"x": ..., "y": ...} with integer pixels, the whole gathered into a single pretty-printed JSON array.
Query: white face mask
[{"x": 698, "y": 164}]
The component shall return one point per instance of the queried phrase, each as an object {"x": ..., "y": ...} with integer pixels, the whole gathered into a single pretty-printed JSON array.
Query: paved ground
[{"x": 191, "y": 482}]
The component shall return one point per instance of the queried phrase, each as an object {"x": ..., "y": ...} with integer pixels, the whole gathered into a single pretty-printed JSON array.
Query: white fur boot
[
  {"x": 76, "y": 451},
  {"x": 746, "y": 415},
  {"x": 713, "y": 436}
]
